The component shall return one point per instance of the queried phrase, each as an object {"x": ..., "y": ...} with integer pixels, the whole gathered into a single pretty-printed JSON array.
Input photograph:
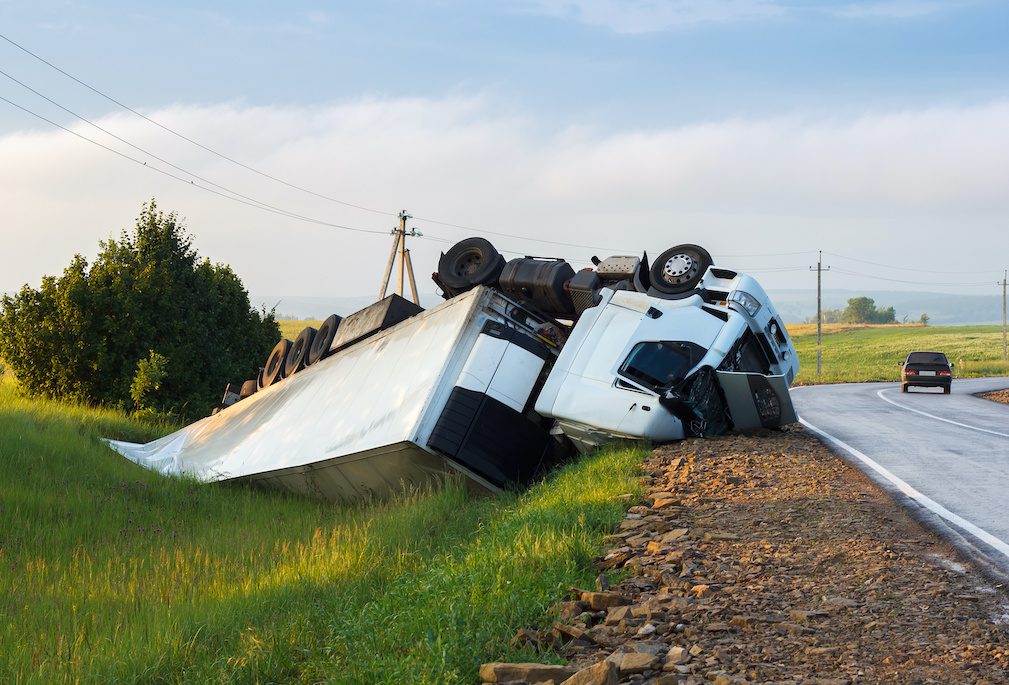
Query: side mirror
[{"x": 952, "y": 365}]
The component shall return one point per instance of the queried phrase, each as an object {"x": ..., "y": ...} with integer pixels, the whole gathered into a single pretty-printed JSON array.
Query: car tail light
[
  {"x": 942, "y": 373},
  {"x": 910, "y": 372}
]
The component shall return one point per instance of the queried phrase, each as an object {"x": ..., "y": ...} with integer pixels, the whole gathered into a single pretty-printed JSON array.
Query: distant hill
[
  {"x": 943, "y": 308},
  {"x": 795, "y": 306}
]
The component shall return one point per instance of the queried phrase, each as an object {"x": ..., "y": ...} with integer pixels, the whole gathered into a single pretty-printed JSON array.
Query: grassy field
[
  {"x": 110, "y": 573},
  {"x": 289, "y": 328},
  {"x": 872, "y": 353}
]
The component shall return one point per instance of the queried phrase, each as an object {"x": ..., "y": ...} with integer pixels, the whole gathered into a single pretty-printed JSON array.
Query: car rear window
[{"x": 926, "y": 358}]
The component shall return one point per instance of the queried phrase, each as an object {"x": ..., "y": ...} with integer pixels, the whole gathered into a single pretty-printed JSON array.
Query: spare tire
[
  {"x": 469, "y": 263},
  {"x": 249, "y": 388},
  {"x": 275, "y": 363},
  {"x": 298, "y": 356},
  {"x": 679, "y": 269},
  {"x": 323, "y": 340}
]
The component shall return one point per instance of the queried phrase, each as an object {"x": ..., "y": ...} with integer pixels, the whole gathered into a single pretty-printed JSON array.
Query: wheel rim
[
  {"x": 680, "y": 268},
  {"x": 468, "y": 263}
]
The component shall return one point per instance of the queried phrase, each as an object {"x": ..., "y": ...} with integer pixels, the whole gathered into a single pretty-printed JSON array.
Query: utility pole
[
  {"x": 400, "y": 235},
  {"x": 819, "y": 312},
  {"x": 1003, "y": 284}
]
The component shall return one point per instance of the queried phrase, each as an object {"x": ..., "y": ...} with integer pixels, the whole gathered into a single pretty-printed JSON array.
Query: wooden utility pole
[
  {"x": 819, "y": 312},
  {"x": 1003, "y": 284},
  {"x": 400, "y": 235}
]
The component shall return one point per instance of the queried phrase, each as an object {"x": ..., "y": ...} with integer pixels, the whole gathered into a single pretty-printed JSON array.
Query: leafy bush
[{"x": 82, "y": 335}]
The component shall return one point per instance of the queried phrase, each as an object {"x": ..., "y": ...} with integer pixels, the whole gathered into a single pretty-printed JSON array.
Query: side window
[{"x": 658, "y": 365}]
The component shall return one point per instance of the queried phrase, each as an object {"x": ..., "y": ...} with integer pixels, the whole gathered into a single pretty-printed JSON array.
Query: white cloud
[
  {"x": 890, "y": 9},
  {"x": 647, "y": 16},
  {"x": 918, "y": 188},
  {"x": 650, "y": 16}
]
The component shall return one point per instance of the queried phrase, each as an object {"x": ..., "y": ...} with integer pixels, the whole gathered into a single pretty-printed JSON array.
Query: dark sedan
[{"x": 926, "y": 370}]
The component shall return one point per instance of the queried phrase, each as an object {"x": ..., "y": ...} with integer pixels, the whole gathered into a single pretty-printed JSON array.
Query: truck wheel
[
  {"x": 323, "y": 339},
  {"x": 679, "y": 269},
  {"x": 469, "y": 263},
  {"x": 298, "y": 356},
  {"x": 249, "y": 388},
  {"x": 275, "y": 363}
]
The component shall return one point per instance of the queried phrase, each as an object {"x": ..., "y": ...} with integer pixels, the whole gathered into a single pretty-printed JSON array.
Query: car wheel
[
  {"x": 946, "y": 390},
  {"x": 903, "y": 387},
  {"x": 469, "y": 263},
  {"x": 679, "y": 269},
  {"x": 276, "y": 362}
]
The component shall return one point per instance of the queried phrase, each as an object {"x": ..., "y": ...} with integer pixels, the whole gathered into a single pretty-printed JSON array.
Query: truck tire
[
  {"x": 274, "y": 370},
  {"x": 679, "y": 269},
  {"x": 249, "y": 389},
  {"x": 469, "y": 263},
  {"x": 297, "y": 358},
  {"x": 323, "y": 339}
]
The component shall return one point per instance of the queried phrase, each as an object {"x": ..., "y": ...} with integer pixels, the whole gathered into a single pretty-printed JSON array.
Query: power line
[
  {"x": 899, "y": 268},
  {"x": 190, "y": 182},
  {"x": 190, "y": 140},
  {"x": 138, "y": 148},
  {"x": 913, "y": 282}
]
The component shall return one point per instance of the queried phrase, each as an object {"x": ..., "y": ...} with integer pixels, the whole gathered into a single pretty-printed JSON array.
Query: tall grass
[{"x": 109, "y": 573}]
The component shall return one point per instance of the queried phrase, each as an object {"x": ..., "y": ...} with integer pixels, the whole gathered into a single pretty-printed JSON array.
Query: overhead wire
[
  {"x": 899, "y": 268},
  {"x": 190, "y": 182},
  {"x": 190, "y": 140},
  {"x": 897, "y": 280}
]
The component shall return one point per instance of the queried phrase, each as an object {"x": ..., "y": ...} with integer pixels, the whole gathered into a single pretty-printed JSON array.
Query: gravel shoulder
[
  {"x": 768, "y": 559},
  {"x": 996, "y": 396}
]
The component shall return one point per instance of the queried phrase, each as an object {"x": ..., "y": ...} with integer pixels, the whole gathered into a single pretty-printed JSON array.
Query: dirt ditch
[{"x": 770, "y": 560}]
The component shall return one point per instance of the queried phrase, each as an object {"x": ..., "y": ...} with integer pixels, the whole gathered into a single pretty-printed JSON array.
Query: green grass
[
  {"x": 289, "y": 328},
  {"x": 852, "y": 354},
  {"x": 109, "y": 573}
]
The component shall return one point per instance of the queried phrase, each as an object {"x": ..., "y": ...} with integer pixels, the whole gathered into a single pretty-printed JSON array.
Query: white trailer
[
  {"x": 446, "y": 390},
  {"x": 491, "y": 385}
]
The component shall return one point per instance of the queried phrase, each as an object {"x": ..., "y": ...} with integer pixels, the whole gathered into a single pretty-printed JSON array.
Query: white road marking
[
  {"x": 939, "y": 418},
  {"x": 918, "y": 497}
]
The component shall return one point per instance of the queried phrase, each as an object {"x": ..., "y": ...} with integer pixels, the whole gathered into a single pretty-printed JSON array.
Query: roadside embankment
[{"x": 769, "y": 559}]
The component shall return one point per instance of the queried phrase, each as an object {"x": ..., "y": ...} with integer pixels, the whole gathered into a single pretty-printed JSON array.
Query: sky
[{"x": 876, "y": 131}]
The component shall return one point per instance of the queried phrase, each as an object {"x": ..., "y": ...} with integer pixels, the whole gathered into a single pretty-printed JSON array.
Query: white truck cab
[{"x": 632, "y": 360}]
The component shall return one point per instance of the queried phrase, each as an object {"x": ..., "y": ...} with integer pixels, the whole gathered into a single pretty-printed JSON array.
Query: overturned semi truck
[{"x": 524, "y": 363}]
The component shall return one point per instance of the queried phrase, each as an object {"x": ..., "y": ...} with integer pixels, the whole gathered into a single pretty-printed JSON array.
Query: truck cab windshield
[{"x": 658, "y": 365}]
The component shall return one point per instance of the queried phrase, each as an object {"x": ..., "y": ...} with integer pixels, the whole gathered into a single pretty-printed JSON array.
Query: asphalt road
[{"x": 946, "y": 453}]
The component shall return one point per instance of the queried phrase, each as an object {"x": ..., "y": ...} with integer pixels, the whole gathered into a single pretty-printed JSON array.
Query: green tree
[
  {"x": 147, "y": 378},
  {"x": 924, "y": 319},
  {"x": 864, "y": 310},
  {"x": 81, "y": 336}
]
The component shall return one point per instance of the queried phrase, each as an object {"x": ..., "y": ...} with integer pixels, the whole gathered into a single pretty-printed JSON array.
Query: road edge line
[
  {"x": 939, "y": 418},
  {"x": 942, "y": 521}
]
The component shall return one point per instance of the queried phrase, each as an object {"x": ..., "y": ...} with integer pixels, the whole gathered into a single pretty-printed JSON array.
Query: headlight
[{"x": 746, "y": 301}]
